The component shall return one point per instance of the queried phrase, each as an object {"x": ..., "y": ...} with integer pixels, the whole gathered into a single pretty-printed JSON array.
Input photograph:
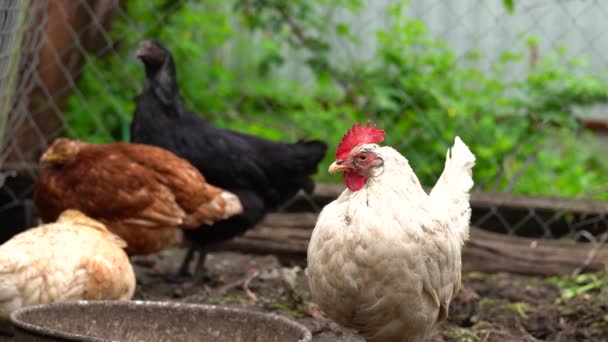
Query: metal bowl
[{"x": 138, "y": 321}]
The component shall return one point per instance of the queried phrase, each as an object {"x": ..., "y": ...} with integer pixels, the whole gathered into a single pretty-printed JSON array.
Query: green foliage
[
  {"x": 509, "y": 5},
  {"x": 520, "y": 308},
  {"x": 237, "y": 59},
  {"x": 581, "y": 285}
]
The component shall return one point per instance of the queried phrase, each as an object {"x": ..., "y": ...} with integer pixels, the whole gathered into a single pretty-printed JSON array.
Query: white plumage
[
  {"x": 386, "y": 259},
  {"x": 73, "y": 258}
]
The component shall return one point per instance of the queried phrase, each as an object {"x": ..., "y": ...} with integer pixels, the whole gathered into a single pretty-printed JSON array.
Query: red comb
[{"x": 359, "y": 135}]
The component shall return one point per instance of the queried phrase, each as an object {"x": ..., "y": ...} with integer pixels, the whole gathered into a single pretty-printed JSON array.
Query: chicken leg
[
  {"x": 199, "y": 276},
  {"x": 184, "y": 269}
]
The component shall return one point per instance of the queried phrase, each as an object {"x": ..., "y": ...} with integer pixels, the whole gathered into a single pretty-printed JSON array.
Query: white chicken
[
  {"x": 73, "y": 258},
  {"x": 385, "y": 257}
]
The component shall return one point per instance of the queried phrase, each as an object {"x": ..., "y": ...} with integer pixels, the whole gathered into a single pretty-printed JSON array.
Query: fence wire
[
  {"x": 9, "y": 53},
  {"x": 56, "y": 78}
]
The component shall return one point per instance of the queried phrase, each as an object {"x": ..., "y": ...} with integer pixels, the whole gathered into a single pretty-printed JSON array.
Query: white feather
[
  {"x": 385, "y": 260},
  {"x": 452, "y": 188}
]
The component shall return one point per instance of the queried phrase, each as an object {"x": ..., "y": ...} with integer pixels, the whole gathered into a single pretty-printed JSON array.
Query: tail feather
[
  {"x": 232, "y": 204},
  {"x": 308, "y": 154},
  {"x": 454, "y": 185},
  {"x": 290, "y": 167},
  {"x": 223, "y": 205}
]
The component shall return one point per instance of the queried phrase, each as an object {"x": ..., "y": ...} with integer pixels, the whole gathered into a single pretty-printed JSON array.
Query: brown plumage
[{"x": 142, "y": 193}]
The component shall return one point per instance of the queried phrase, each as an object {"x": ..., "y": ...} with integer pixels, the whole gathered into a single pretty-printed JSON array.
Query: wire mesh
[
  {"x": 68, "y": 68},
  {"x": 9, "y": 42}
]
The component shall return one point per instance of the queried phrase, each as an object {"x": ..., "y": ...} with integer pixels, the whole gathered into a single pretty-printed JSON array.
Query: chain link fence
[{"x": 527, "y": 90}]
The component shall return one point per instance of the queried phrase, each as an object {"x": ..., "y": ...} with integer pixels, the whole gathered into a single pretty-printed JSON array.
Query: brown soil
[{"x": 502, "y": 307}]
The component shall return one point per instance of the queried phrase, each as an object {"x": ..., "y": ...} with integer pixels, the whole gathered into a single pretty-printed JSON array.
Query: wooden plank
[
  {"x": 526, "y": 216},
  {"x": 298, "y": 221},
  {"x": 485, "y": 251},
  {"x": 491, "y": 252}
]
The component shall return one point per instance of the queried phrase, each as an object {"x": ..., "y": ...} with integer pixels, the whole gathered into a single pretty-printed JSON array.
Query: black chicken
[{"x": 264, "y": 174}]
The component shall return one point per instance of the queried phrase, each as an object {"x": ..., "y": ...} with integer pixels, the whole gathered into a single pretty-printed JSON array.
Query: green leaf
[
  {"x": 509, "y": 5},
  {"x": 342, "y": 29},
  {"x": 240, "y": 65}
]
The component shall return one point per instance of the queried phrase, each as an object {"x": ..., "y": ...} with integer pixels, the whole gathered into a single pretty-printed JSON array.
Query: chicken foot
[{"x": 200, "y": 273}]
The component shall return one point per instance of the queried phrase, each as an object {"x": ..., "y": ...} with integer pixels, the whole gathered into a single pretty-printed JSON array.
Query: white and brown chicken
[
  {"x": 73, "y": 258},
  {"x": 385, "y": 257}
]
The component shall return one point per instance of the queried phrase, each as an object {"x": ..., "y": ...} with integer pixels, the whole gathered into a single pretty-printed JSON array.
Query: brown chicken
[
  {"x": 73, "y": 258},
  {"x": 144, "y": 194}
]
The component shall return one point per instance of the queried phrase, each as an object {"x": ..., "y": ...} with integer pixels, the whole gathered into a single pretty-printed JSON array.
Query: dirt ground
[{"x": 500, "y": 307}]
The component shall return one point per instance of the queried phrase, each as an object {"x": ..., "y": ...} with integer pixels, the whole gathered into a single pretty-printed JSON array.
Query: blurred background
[{"x": 523, "y": 83}]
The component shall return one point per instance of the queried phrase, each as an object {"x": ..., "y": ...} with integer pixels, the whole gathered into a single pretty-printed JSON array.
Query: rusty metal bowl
[{"x": 138, "y": 321}]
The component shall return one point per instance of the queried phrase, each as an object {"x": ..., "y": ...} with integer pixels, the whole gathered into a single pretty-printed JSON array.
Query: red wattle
[{"x": 354, "y": 181}]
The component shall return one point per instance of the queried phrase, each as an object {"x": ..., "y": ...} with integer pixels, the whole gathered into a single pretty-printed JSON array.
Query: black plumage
[{"x": 264, "y": 174}]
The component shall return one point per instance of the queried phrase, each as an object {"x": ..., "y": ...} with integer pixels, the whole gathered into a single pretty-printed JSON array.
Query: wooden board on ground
[
  {"x": 287, "y": 236},
  {"x": 526, "y": 216}
]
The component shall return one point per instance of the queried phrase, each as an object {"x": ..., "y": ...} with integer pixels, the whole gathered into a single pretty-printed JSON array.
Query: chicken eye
[{"x": 363, "y": 157}]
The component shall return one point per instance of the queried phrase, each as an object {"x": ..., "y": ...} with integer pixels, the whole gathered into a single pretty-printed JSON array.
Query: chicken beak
[
  {"x": 337, "y": 166},
  {"x": 47, "y": 157}
]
